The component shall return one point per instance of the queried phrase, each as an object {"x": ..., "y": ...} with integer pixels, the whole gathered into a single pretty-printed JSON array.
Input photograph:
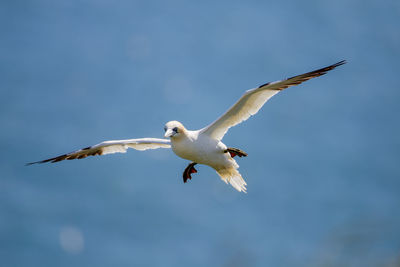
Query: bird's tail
[{"x": 232, "y": 176}]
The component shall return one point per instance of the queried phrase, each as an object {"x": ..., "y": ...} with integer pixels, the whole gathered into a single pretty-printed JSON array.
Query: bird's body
[
  {"x": 200, "y": 148},
  {"x": 203, "y": 146}
]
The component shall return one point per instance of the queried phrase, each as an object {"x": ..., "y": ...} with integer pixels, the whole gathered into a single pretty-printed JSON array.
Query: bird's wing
[
  {"x": 252, "y": 100},
  {"x": 110, "y": 147}
]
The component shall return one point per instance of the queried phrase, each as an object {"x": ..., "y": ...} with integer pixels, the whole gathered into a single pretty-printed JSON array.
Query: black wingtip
[
  {"x": 329, "y": 68},
  {"x": 317, "y": 72},
  {"x": 339, "y": 63},
  {"x": 36, "y": 162}
]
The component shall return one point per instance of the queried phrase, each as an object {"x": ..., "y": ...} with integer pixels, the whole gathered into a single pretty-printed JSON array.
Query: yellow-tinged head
[{"x": 173, "y": 129}]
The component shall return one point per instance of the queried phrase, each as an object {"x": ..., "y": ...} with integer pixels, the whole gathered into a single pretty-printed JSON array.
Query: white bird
[{"x": 203, "y": 146}]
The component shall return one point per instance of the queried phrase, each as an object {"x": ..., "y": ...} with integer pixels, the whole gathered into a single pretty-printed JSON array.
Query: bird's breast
[{"x": 199, "y": 150}]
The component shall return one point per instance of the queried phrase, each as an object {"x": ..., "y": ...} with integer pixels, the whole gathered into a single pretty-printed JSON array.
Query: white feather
[
  {"x": 121, "y": 146},
  {"x": 252, "y": 101},
  {"x": 110, "y": 147}
]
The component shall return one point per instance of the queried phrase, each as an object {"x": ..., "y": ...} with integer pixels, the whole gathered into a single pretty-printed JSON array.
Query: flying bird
[{"x": 203, "y": 146}]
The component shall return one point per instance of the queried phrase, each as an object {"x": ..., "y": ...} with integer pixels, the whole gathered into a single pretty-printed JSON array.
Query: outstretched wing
[
  {"x": 110, "y": 147},
  {"x": 252, "y": 101}
]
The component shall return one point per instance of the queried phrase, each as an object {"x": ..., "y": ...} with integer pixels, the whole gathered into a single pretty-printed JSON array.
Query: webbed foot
[
  {"x": 187, "y": 173},
  {"x": 235, "y": 152}
]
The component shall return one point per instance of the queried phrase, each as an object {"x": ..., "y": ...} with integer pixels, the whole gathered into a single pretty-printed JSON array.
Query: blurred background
[{"x": 323, "y": 168}]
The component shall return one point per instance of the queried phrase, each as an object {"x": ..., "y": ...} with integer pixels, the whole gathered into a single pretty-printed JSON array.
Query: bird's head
[{"x": 173, "y": 129}]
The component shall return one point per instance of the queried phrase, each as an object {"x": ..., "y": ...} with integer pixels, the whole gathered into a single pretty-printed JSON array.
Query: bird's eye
[
  {"x": 175, "y": 129},
  {"x": 165, "y": 128}
]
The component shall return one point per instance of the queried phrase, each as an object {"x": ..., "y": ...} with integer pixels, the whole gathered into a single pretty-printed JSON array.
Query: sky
[{"x": 323, "y": 169}]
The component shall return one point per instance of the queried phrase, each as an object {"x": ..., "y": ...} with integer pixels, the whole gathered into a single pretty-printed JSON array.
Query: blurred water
[{"x": 323, "y": 168}]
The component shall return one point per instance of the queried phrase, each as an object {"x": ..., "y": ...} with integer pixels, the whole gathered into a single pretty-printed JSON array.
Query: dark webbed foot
[
  {"x": 235, "y": 152},
  {"x": 187, "y": 173}
]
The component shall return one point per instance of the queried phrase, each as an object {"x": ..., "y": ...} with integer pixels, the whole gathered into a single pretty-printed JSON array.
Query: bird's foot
[
  {"x": 187, "y": 173},
  {"x": 235, "y": 152}
]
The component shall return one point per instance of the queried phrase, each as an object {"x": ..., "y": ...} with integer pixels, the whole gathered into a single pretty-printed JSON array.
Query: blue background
[{"x": 323, "y": 168}]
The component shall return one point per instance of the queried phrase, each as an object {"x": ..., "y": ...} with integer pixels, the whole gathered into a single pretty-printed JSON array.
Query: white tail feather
[{"x": 232, "y": 176}]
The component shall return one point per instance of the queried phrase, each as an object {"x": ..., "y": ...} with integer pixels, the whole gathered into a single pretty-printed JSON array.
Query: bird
[{"x": 203, "y": 146}]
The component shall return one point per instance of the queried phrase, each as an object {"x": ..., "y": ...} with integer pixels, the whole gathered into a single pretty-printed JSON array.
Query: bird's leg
[
  {"x": 187, "y": 173},
  {"x": 235, "y": 152}
]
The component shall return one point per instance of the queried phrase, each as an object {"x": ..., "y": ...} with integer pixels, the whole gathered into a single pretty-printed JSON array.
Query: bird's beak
[{"x": 169, "y": 133}]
